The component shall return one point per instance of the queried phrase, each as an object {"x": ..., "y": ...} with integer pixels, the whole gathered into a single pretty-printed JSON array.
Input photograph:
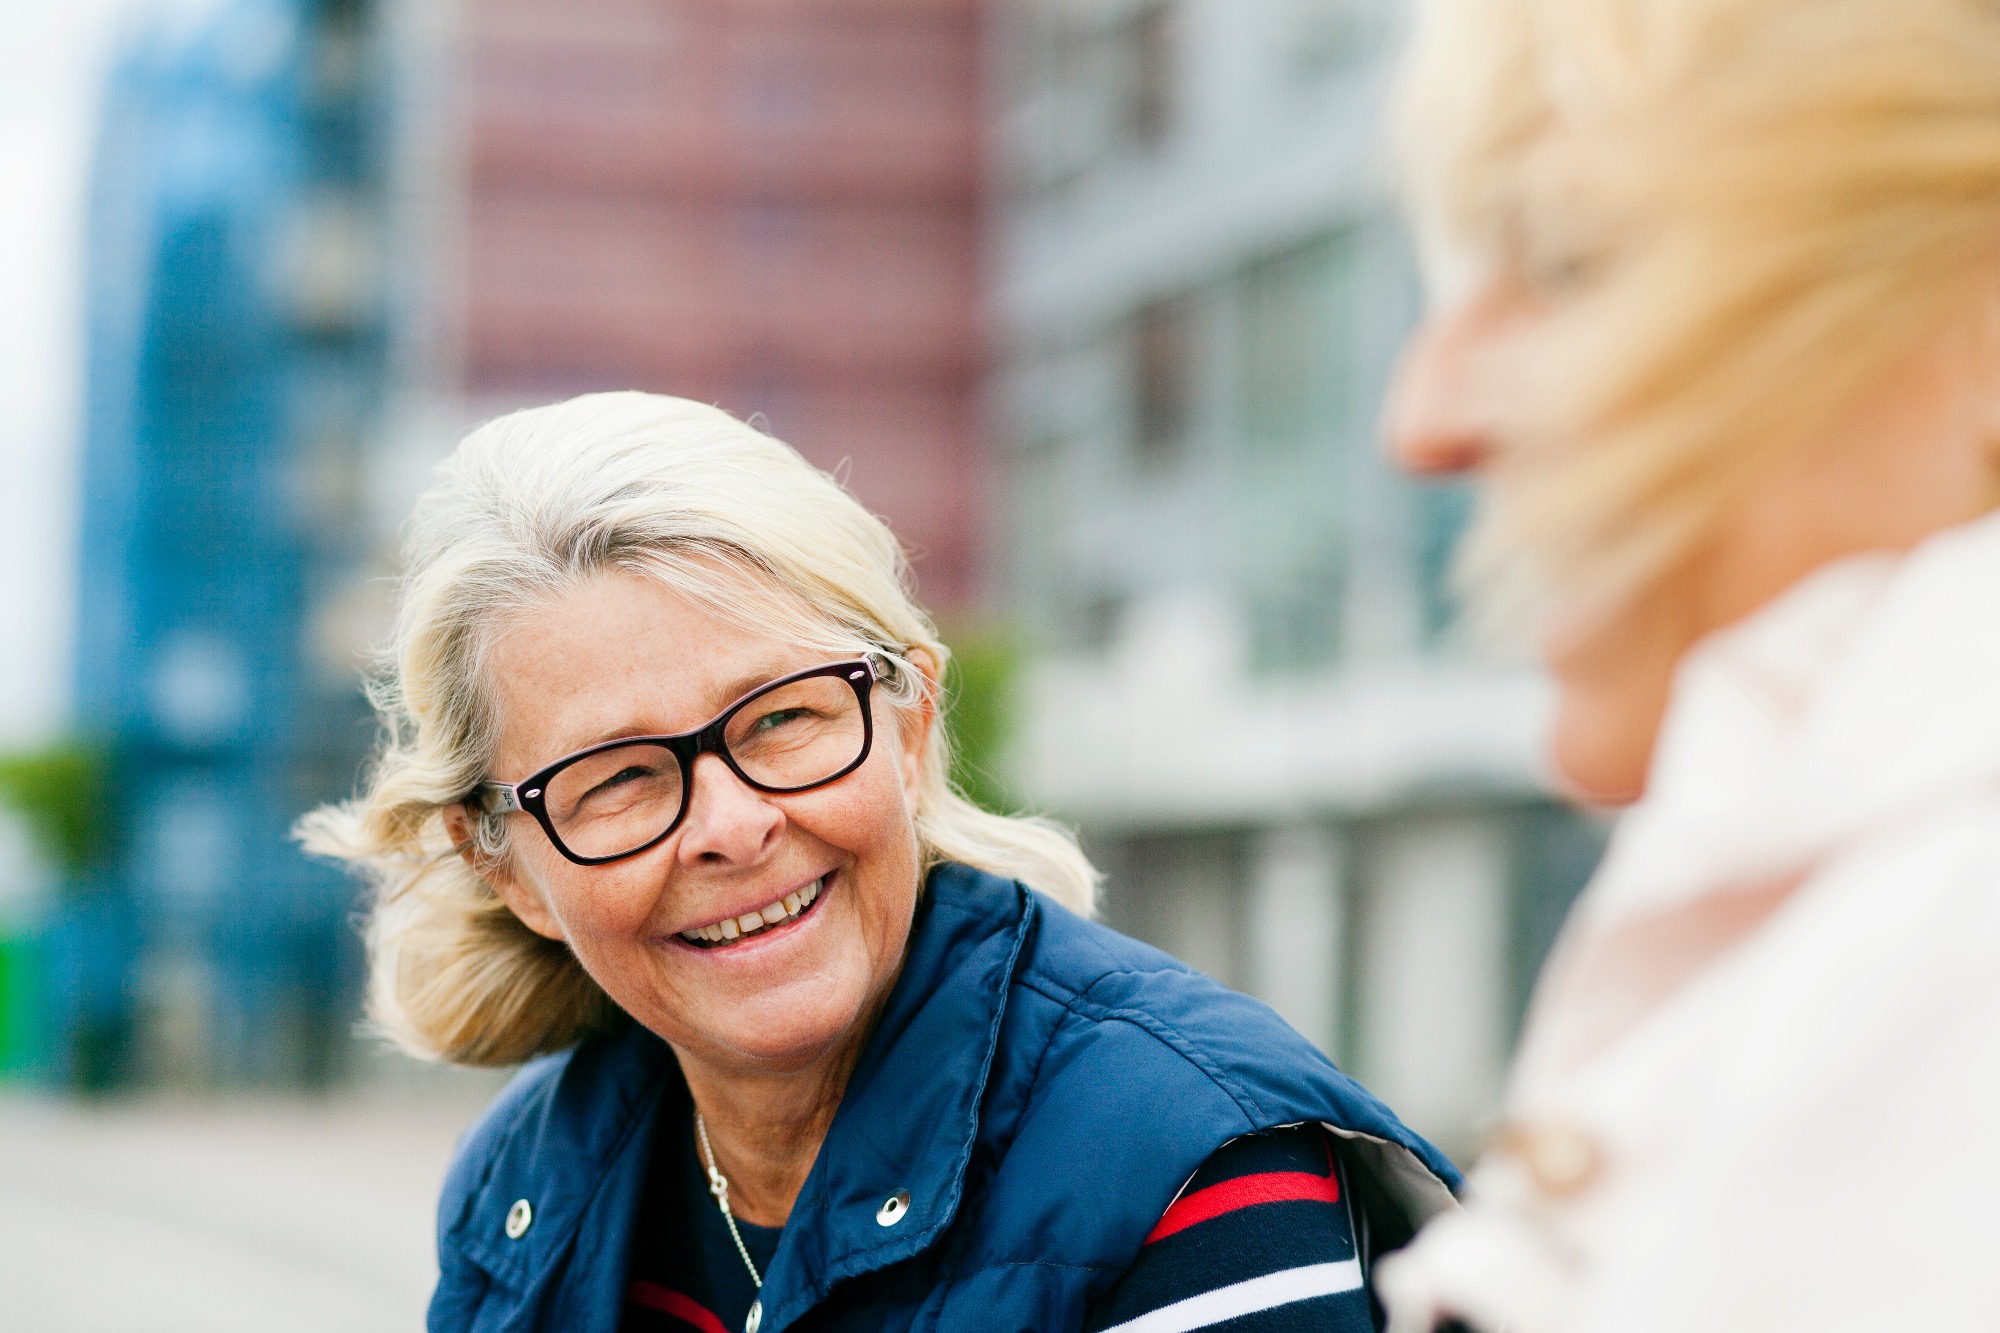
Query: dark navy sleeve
[{"x": 1259, "y": 1241}]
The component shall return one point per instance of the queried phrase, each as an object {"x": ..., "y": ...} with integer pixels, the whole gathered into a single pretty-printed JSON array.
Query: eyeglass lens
[{"x": 791, "y": 736}]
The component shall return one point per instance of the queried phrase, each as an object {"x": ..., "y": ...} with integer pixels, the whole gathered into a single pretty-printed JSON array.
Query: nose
[
  {"x": 728, "y": 823},
  {"x": 1438, "y": 420}
]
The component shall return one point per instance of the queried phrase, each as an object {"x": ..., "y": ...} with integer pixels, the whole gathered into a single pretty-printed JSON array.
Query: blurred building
[
  {"x": 773, "y": 205},
  {"x": 1252, "y": 688},
  {"x": 236, "y": 323}
]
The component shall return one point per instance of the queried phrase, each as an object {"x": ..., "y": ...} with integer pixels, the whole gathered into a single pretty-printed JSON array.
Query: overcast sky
[{"x": 51, "y": 57}]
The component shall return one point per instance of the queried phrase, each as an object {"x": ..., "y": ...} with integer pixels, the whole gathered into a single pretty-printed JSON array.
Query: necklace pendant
[{"x": 755, "y": 1319}]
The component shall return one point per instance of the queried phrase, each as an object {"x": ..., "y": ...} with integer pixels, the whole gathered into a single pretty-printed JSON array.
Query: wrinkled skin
[{"x": 768, "y": 1028}]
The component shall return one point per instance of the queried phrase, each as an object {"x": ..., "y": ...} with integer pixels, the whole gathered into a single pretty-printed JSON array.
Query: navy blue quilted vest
[{"x": 1040, "y": 1085}]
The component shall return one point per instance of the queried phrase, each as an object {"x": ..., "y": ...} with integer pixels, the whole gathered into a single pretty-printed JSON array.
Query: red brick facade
[{"x": 768, "y": 204}]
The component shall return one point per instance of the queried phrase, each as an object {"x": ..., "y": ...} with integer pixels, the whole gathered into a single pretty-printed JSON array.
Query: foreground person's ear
[{"x": 523, "y": 899}]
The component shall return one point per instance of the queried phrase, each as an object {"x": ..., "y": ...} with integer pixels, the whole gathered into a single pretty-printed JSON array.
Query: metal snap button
[
  {"x": 755, "y": 1319},
  {"x": 893, "y": 1208},
  {"x": 518, "y": 1218}
]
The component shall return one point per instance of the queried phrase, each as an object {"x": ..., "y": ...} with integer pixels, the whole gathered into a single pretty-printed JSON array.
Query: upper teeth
[{"x": 750, "y": 923}]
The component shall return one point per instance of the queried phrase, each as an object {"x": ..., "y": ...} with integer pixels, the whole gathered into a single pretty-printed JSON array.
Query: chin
[
  {"x": 785, "y": 1030},
  {"x": 1613, "y": 686},
  {"x": 1598, "y": 762}
]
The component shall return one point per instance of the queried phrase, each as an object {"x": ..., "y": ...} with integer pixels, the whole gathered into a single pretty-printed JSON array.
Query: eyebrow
[{"x": 731, "y": 691}]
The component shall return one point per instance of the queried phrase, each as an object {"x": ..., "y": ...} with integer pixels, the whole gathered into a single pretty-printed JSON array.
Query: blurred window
[
  {"x": 1085, "y": 87},
  {"x": 340, "y": 50},
  {"x": 1293, "y": 420},
  {"x": 1331, "y": 35},
  {"x": 1164, "y": 366},
  {"x": 1294, "y": 355},
  {"x": 190, "y": 838},
  {"x": 769, "y": 236},
  {"x": 200, "y": 690},
  {"x": 1097, "y": 620},
  {"x": 1065, "y": 128},
  {"x": 328, "y": 481},
  {"x": 1297, "y": 611},
  {"x": 774, "y": 94},
  {"x": 332, "y": 264},
  {"x": 1151, "y": 67},
  {"x": 537, "y": 76}
]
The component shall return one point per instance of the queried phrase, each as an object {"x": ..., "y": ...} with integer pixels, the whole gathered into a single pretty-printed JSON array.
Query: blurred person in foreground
[
  {"x": 1718, "y": 323},
  {"x": 814, "y": 1041}
]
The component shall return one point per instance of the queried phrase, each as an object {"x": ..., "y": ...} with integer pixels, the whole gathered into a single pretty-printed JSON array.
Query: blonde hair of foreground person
[
  {"x": 529, "y": 506},
  {"x": 1741, "y": 215}
]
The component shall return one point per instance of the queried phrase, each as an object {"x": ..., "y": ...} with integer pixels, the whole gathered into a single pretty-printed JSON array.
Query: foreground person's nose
[
  {"x": 1425, "y": 436},
  {"x": 727, "y": 820},
  {"x": 1439, "y": 420}
]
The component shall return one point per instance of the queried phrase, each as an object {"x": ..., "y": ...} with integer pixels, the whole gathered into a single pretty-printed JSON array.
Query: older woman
[
  {"x": 665, "y": 801},
  {"x": 1719, "y": 321}
]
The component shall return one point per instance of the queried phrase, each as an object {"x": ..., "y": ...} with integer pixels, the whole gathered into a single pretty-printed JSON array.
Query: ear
[
  {"x": 523, "y": 898},
  {"x": 914, "y": 724}
]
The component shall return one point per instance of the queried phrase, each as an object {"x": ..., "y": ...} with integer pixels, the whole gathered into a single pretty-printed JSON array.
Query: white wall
[
  {"x": 1431, "y": 1004},
  {"x": 1297, "y": 926},
  {"x": 51, "y": 57}
]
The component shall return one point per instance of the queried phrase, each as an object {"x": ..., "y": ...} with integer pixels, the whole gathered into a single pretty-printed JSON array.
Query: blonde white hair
[
  {"x": 528, "y": 506},
  {"x": 1748, "y": 212}
]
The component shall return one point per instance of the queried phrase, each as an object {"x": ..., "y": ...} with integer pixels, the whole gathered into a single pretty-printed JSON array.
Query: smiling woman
[
  {"x": 665, "y": 800},
  {"x": 517, "y": 630}
]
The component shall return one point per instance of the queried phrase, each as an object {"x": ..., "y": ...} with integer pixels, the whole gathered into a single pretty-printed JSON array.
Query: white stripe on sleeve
[{"x": 1242, "y": 1298}]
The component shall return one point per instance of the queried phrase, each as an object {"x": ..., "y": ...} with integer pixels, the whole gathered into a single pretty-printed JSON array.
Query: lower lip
[{"x": 745, "y": 944}]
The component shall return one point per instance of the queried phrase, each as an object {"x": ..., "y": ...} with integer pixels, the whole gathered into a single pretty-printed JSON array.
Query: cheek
[
  {"x": 869, "y": 812},
  {"x": 871, "y": 823},
  {"x": 593, "y": 903}
]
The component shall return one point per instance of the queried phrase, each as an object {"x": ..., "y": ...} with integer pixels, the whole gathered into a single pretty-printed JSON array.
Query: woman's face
[
  {"x": 1916, "y": 455},
  {"x": 623, "y": 655}
]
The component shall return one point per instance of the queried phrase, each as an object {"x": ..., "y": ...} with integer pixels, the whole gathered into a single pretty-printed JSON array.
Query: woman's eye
[
  {"x": 623, "y": 777},
  {"x": 772, "y": 721},
  {"x": 1566, "y": 271}
]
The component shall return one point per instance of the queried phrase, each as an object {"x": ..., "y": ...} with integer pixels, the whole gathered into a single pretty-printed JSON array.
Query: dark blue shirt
[{"x": 1262, "y": 1240}]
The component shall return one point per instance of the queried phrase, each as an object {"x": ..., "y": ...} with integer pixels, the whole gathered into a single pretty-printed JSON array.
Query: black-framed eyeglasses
[{"x": 625, "y": 796}]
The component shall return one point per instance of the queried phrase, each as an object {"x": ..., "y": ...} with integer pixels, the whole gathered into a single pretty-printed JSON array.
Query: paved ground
[{"x": 186, "y": 1216}]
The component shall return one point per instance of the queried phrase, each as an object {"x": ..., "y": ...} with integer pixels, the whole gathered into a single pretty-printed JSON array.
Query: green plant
[
  {"x": 64, "y": 793},
  {"x": 979, "y": 686}
]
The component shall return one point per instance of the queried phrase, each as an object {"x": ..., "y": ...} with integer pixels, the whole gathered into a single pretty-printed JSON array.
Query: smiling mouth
[{"x": 789, "y": 908}]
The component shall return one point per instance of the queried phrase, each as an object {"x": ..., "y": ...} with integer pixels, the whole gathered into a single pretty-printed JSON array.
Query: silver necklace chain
[{"x": 718, "y": 1185}]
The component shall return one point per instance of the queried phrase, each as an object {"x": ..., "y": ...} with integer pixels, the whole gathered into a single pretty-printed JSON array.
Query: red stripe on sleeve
[
  {"x": 655, "y": 1297},
  {"x": 1245, "y": 1192}
]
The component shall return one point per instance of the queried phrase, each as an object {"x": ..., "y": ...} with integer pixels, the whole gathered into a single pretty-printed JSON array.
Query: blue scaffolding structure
[{"x": 237, "y": 350}]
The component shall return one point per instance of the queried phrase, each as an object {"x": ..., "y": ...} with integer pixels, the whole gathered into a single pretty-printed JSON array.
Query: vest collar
[{"x": 910, "y": 1116}]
